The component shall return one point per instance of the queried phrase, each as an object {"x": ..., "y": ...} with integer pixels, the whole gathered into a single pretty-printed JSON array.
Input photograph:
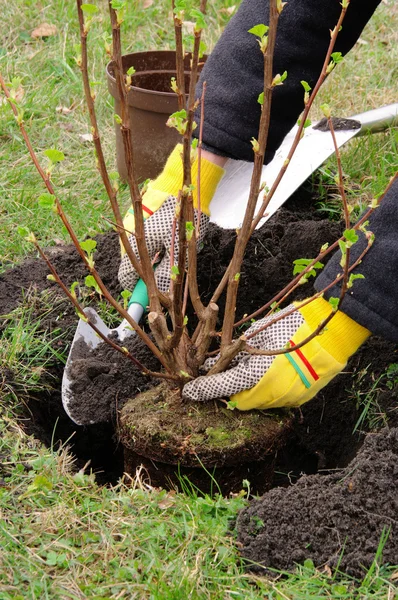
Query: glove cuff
[
  {"x": 169, "y": 182},
  {"x": 342, "y": 336}
]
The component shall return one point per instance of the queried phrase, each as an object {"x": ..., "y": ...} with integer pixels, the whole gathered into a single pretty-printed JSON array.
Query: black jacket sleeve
[{"x": 234, "y": 70}]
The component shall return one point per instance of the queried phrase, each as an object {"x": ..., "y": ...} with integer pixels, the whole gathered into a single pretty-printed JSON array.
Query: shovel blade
[{"x": 84, "y": 333}]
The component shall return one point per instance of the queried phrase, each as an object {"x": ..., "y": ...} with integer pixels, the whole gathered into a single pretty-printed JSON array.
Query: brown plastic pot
[{"x": 151, "y": 102}]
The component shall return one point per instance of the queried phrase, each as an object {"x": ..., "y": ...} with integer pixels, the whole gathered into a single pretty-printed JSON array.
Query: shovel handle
[
  {"x": 378, "y": 119},
  {"x": 139, "y": 295}
]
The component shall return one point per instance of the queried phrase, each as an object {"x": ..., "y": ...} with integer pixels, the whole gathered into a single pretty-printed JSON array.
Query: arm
[{"x": 234, "y": 70}]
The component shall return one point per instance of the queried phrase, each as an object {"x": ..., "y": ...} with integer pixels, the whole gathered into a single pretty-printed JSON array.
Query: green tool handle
[{"x": 139, "y": 295}]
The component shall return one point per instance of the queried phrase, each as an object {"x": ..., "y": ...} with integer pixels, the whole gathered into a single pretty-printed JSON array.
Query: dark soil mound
[{"x": 333, "y": 519}]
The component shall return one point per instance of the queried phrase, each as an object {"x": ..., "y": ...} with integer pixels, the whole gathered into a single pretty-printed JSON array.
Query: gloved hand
[
  {"x": 291, "y": 379},
  {"x": 159, "y": 204}
]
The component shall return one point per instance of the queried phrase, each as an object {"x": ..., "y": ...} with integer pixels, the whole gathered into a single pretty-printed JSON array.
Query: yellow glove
[
  {"x": 290, "y": 379},
  {"x": 159, "y": 204}
]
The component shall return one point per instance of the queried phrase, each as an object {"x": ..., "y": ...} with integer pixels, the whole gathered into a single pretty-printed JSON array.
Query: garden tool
[
  {"x": 229, "y": 203},
  {"x": 136, "y": 308}
]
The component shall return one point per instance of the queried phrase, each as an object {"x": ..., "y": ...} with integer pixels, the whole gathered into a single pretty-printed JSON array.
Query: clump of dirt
[
  {"x": 204, "y": 432},
  {"x": 234, "y": 446},
  {"x": 335, "y": 520}
]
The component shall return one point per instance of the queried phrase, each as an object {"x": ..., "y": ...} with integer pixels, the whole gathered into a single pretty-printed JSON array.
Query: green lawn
[{"x": 61, "y": 535}]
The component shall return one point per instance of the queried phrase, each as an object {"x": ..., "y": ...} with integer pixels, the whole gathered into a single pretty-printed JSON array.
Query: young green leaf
[
  {"x": 351, "y": 237},
  {"x": 300, "y": 264},
  {"x": 118, "y": 4},
  {"x": 260, "y": 99},
  {"x": 89, "y": 9},
  {"x": 73, "y": 287},
  {"x": 325, "y": 108},
  {"x": 353, "y": 277},
  {"x": 91, "y": 283},
  {"x": 174, "y": 272},
  {"x": 189, "y": 229},
  {"x": 23, "y": 231},
  {"x": 54, "y": 155},
  {"x": 126, "y": 297},
  {"x": 88, "y": 246},
  {"x": 337, "y": 57},
  {"x": 279, "y": 79},
  {"x": 260, "y": 30},
  {"x": 334, "y": 303},
  {"x": 199, "y": 17},
  {"x": 46, "y": 200}
]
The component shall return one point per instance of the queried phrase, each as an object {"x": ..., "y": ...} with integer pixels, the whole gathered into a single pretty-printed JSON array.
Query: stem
[
  {"x": 308, "y": 301},
  {"x": 292, "y": 285},
  {"x": 186, "y": 201},
  {"x": 125, "y": 128},
  {"x": 303, "y": 119},
  {"x": 297, "y": 138},
  {"x": 112, "y": 195},
  {"x": 245, "y": 231}
]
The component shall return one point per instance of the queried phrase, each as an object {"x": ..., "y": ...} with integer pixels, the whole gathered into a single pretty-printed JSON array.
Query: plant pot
[{"x": 151, "y": 102}]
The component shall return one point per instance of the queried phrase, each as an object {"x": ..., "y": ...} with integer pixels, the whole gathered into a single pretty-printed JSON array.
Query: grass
[{"x": 61, "y": 535}]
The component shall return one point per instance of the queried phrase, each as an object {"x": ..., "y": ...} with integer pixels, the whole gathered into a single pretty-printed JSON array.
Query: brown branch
[
  {"x": 112, "y": 195},
  {"x": 217, "y": 293},
  {"x": 303, "y": 119},
  {"x": 319, "y": 294},
  {"x": 245, "y": 231},
  {"x": 186, "y": 200},
  {"x": 180, "y": 71},
  {"x": 125, "y": 128}
]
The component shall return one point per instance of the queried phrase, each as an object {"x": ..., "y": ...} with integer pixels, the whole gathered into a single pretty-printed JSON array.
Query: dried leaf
[
  {"x": 147, "y": 3},
  {"x": 167, "y": 501},
  {"x": 229, "y": 10},
  {"x": 328, "y": 571},
  {"x": 44, "y": 30},
  {"x": 59, "y": 242},
  {"x": 19, "y": 94},
  {"x": 66, "y": 126},
  {"x": 86, "y": 137},
  {"x": 63, "y": 110}
]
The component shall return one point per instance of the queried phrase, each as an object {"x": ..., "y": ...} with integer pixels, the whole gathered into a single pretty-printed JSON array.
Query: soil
[
  {"x": 336, "y": 520},
  {"x": 338, "y": 124},
  {"x": 320, "y": 436}
]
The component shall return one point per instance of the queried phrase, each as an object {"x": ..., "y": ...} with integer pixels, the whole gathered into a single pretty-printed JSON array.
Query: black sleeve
[
  {"x": 373, "y": 301},
  {"x": 234, "y": 70}
]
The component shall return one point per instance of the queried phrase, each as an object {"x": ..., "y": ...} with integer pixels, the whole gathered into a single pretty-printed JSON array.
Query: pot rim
[{"x": 135, "y": 88}]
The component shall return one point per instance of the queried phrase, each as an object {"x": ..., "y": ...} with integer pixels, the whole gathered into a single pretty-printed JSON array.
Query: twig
[
  {"x": 112, "y": 195},
  {"x": 245, "y": 231},
  {"x": 148, "y": 274}
]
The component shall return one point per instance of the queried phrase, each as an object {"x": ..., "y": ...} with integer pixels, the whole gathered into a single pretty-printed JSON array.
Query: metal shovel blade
[
  {"x": 84, "y": 333},
  {"x": 229, "y": 203},
  {"x": 85, "y": 337}
]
